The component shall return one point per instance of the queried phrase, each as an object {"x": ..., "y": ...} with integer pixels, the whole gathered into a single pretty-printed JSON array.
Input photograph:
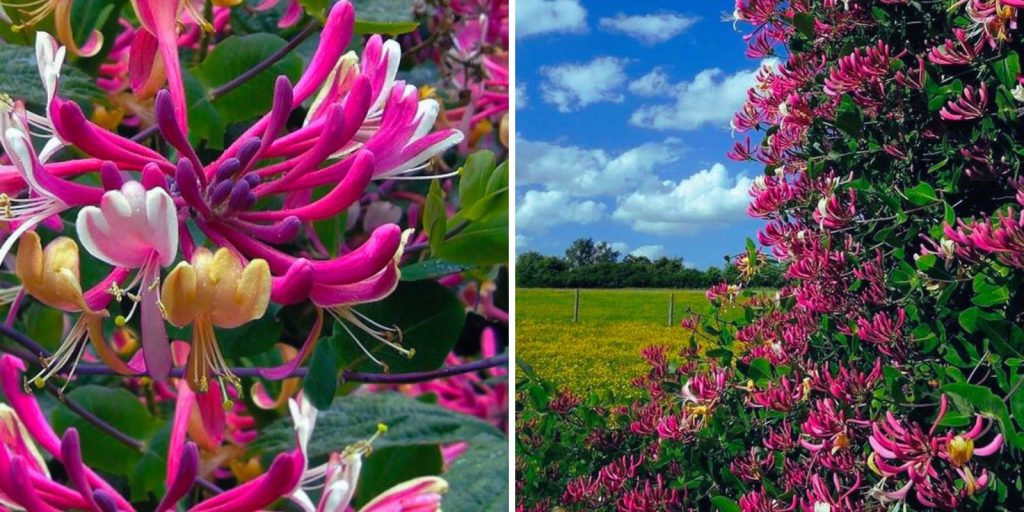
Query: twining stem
[
  {"x": 265, "y": 64},
  {"x": 347, "y": 375}
]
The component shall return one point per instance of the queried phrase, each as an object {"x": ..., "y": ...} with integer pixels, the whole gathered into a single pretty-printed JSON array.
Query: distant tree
[
  {"x": 582, "y": 252},
  {"x": 604, "y": 253}
]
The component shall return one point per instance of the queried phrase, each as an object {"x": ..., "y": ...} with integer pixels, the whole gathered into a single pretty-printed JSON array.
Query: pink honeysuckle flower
[
  {"x": 48, "y": 195},
  {"x": 49, "y": 59},
  {"x": 136, "y": 228},
  {"x": 971, "y": 104},
  {"x": 155, "y": 49},
  {"x": 929, "y": 460},
  {"x": 38, "y": 487}
]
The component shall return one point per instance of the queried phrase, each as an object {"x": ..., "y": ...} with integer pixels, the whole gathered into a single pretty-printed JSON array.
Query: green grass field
[{"x": 602, "y": 351}]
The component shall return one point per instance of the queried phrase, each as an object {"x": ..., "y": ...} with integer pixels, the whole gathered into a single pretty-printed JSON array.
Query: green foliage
[
  {"x": 427, "y": 314},
  {"x": 20, "y": 79},
  {"x": 355, "y": 418},
  {"x": 478, "y": 480},
  {"x": 117, "y": 407},
  {"x": 232, "y": 57}
]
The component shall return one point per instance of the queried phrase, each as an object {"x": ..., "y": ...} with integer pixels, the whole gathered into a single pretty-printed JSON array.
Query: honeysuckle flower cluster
[{"x": 879, "y": 377}]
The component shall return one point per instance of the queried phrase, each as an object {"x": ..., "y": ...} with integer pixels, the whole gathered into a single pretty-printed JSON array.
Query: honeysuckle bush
[
  {"x": 254, "y": 255},
  {"x": 885, "y": 375}
]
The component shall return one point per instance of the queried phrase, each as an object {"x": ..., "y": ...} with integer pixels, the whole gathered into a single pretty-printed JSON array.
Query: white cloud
[
  {"x": 655, "y": 83},
  {"x": 590, "y": 172},
  {"x": 619, "y": 247},
  {"x": 712, "y": 97},
  {"x": 521, "y": 97},
  {"x": 540, "y": 210},
  {"x": 651, "y": 252},
  {"x": 522, "y": 241},
  {"x": 708, "y": 199},
  {"x": 535, "y": 17},
  {"x": 573, "y": 86},
  {"x": 649, "y": 28}
]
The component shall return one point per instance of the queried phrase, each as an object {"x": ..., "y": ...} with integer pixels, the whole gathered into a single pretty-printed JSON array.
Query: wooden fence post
[
  {"x": 671, "y": 308},
  {"x": 576, "y": 308}
]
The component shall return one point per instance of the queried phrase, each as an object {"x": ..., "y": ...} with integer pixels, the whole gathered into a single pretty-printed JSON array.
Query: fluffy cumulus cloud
[
  {"x": 573, "y": 86},
  {"x": 521, "y": 97},
  {"x": 592, "y": 172},
  {"x": 535, "y": 17},
  {"x": 707, "y": 199},
  {"x": 651, "y": 252},
  {"x": 655, "y": 83},
  {"x": 540, "y": 210},
  {"x": 619, "y": 247},
  {"x": 649, "y": 28},
  {"x": 711, "y": 98}
]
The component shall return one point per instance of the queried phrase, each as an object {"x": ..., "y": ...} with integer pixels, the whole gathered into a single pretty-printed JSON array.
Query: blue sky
[{"x": 622, "y": 126}]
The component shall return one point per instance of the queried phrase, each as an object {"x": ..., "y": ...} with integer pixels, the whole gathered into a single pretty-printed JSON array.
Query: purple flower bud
[
  {"x": 221, "y": 191},
  {"x": 248, "y": 150},
  {"x": 110, "y": 176},
  {"x": 253, "y": 179},
  {"x": 104, "y": 501},
  {"x": 228, "y": 169},
  {"x": 240, "y": 194},
  {"x": 188, "y": 186}
]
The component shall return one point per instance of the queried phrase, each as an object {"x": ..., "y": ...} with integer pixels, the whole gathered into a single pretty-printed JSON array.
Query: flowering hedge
[
  {"x": 885, "y": 374},
  {"x": 231, "y": 223}
]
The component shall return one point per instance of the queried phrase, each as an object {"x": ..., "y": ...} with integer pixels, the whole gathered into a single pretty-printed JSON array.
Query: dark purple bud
[
  {"x": 188, "y": 186},
  {"x": 239, "y": 199},
  {"x": 110, "y": 176},
  {"x": 173, "y": 132},
  {"x": 153, "y": 177},
  {"x": 253, "y": 179},
  {"x": 221, "y": 191},
  {"x": 104, "y": 501},
  {"x": 248, "y": 150},
  {"x": 228, "y": 169},
  {"x": 183, "y": 480}
]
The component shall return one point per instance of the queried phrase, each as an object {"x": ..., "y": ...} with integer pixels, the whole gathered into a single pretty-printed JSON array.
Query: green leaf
[
  {"x": 475, "y": 175},
  {"x": 804, "y": 23},
  {"x": 849, "y": 118},
  {"x": 430, "y": 318},
  {"x": 495, "y": 200},
  {"x": 45, "y": 325},
  {"x": 317, "y": 8},
  {"x": 234, "y": 56},
  {"x": 388, "y": 467},
  {"x": 481, "y": 243},
  {"x": 987, "y": 403},
  {"x": 392, "y": 17},
  {"x": 478, "y": 480},
  {"x": 117, "y": 407},
  {"x": 431, "y": 269},
  {"x": 355, "y": 418},
  {"x": 1007, "y": 69},
  {"x": 252, "y": 338},
  {"x": 922, "y": 194},
  {"x": 723, "y": 504},
  {"x": 20, "y": 79},
  {"x": 435, "y": 217},
  {"x": 321, "y": 383}
]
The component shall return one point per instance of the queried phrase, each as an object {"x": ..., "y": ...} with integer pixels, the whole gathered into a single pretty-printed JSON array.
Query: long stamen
[
  {"x": 70, "y": 351},
  {"x": 385, "y": 335}
]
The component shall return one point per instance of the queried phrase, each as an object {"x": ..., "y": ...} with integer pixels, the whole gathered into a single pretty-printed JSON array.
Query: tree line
[{"x": 589, "y": 264}]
